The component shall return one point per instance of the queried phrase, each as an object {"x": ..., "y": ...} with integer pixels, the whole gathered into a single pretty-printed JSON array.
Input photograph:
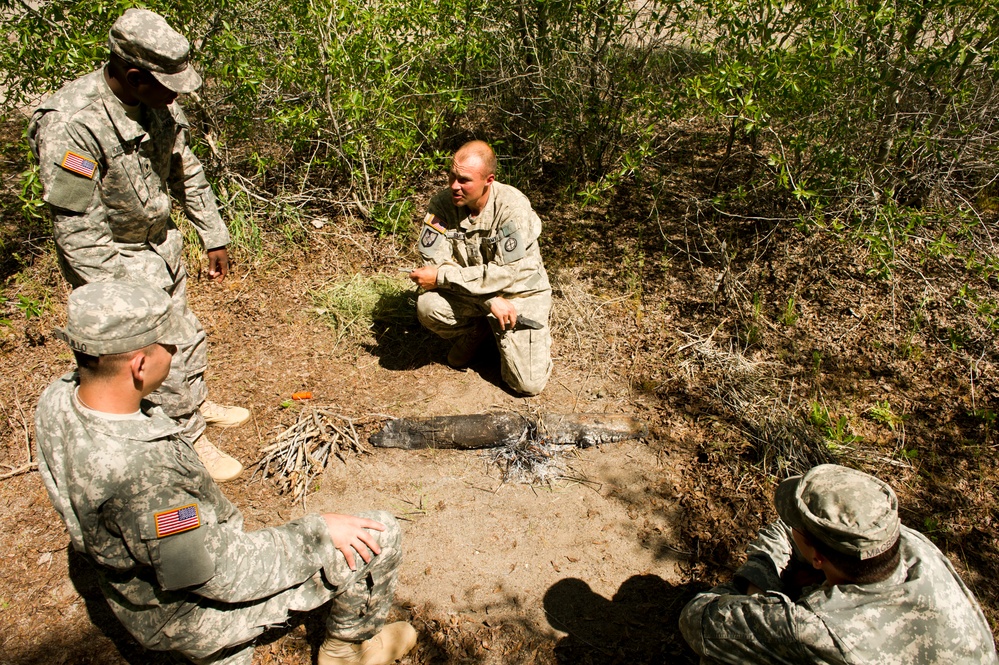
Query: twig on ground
[
  {"x": 24, "y": 425},
  {"x": 531, "y": 459},
  {"x": 24, "y": 468},
  {"x": 783, "y": 440}
]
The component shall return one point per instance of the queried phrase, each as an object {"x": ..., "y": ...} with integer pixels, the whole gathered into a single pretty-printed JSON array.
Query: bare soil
[{"x": 673, "y": 321}]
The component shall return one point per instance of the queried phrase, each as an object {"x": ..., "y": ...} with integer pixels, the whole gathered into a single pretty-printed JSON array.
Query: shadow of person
[
  {"x": 638, "y": 625},
  {"x": 401, "y": 343},
  {"x": 84, "y": 579}
]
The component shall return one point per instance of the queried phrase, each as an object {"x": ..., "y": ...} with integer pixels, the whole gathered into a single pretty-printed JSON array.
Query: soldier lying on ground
[
  {"x": 112, "y": 146},
  {"x": 479, "y": 244},
  {"x": 838, "y": 579},
  {"x": 169, "y": 549}
]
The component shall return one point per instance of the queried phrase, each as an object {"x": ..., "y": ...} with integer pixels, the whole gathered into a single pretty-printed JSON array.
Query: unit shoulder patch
[
  {"x": 177, "y": 520},
  {"x": 433, "y": 230}
]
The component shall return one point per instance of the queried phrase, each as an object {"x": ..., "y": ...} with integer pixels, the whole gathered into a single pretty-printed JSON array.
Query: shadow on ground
[
  {"x": 401, "y": 343},
  {"x": 638, "y": 625}
]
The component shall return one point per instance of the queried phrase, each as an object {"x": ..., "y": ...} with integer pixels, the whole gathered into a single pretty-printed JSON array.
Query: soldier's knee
[
  {"x": 428, "y": 308},
  {"x": 392, "y": 535},
  {"x": 528, "y": 388}
]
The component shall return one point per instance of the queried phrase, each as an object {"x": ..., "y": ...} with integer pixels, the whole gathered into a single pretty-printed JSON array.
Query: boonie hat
[
  {"x": 121, "y": 316},
  {"x": 144, "y": 39},
  {"x": 848, "y": 510}
]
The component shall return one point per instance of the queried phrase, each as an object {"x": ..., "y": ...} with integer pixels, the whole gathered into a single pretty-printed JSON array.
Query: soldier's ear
[
  {"x": 137, "y": 368},
  {"x": 134, "y": 77}
]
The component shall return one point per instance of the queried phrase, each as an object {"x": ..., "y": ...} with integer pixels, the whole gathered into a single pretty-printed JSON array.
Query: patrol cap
[
  {"x": 850, "y": 511},
  {"x": 144, "y": 39},
  {"x": 121, "y": 316}
]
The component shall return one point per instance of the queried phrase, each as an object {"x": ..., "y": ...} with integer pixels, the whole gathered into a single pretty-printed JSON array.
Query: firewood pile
[{"x": 302, "y": 452}]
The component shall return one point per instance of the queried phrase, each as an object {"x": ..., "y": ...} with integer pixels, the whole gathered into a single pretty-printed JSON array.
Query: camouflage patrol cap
[
  {"x": 144, "y": 39},
  {"x": 848, "y": 510},
  {"x": 120, "y": 316}
]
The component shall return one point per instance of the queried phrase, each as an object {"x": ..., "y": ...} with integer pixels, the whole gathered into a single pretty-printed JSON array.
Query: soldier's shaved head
[{"x": 479, "y": 150}]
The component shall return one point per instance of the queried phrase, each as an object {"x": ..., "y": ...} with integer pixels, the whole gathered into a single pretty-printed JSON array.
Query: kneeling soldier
[{"x": 173, "y": 560}]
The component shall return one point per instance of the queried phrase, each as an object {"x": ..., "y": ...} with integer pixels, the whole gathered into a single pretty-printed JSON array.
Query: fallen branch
[{"x": 494, "y": 430}]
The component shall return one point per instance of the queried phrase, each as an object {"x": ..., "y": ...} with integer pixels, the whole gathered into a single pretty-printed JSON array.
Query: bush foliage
[{"x": 837, "y": 106}]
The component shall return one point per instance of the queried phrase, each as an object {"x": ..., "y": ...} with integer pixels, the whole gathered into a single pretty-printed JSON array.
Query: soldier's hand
[
  {"x": 425, "y": 277},
  {"x": 218, "y": 264},
  {"x": 504, "y": 311},
  {"x": 350, "y": 534}
]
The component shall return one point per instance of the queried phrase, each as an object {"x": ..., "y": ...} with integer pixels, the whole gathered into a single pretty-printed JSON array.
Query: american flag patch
[
  {"x": 177, "y": 520},
  {"x": 79, "y": 164},
  {"x": 431, "y": 221}
]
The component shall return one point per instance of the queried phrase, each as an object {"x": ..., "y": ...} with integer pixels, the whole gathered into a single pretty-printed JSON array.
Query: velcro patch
[
  {"x": 177, "y": 520},
  {"x": 79, "y": 164}
]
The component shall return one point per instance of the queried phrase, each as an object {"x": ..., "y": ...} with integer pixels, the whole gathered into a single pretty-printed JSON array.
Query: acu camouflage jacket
[
  {"x": 107, "y": 179},
  {"x": 923, "y": 613},
  {"x": 494, "y": 253},
  {"x": 138, "y": 502}
]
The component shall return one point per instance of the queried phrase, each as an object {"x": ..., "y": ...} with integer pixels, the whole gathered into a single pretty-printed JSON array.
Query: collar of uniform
[
  {"x": 157, "y": 426},
  {"x": 127, "y": 129}
]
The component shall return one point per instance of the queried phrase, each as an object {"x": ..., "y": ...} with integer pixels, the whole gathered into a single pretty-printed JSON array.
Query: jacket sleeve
[
  {"x": 190, "y": 188},
  {"x": 768, "y": 556},
  {"x": 80, "y": 226},
  {"x": 219, "y": 560},
  {"x": 724, "y": 626}
]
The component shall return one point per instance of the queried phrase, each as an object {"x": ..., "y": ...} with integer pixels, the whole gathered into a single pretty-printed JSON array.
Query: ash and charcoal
[{"x": 532, "y": 459}]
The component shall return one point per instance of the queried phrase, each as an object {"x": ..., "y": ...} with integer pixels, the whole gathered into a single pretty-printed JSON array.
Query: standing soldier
[
  {"x": 169, "y": 549},
  {"x": 110, "y": 145},
  {"x": 483, "y": 271}
]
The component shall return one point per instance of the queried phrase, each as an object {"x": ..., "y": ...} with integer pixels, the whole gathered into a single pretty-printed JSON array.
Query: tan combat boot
[
  {"x": 465, "y": 346},
  {"x": 392, "y": 643},
  {"x": 220, "y": 467},
  {"x": 223, "y": 416}
]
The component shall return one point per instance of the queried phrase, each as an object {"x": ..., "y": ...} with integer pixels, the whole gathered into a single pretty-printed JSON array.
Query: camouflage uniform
[
  {"x": 173, "y": 560},
  {"x": 922, "y": 613},
  {"x": 107, "y": 179},
  {"x": 493, "y": 254}
]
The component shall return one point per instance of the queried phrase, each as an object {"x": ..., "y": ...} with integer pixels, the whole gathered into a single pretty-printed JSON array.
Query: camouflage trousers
[
  {"x": 219, "y": 633},
  {"x": 184, "y": 390},
  {"x": 525, "y": 354}
]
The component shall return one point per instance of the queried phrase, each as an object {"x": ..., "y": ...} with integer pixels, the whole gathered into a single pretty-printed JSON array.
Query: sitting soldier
[
  {"x": 169, "y": 549},
  {"x": 877, "y": 591}
]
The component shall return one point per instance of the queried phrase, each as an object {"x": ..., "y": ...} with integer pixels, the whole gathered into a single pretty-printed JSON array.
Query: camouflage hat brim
[
  {"x": 178, "y": 330},
  {"x": 144, "y": 39},
  {"x": 183, "y": 82},
  {"x": 785, "y": 501}
]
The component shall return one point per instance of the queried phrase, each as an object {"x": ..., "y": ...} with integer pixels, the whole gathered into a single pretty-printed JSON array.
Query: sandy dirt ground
[{"x": 502, "y": 560}]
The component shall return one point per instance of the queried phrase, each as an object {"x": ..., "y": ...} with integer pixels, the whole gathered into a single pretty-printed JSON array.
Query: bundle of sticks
[{"x": 301, "y": 452}]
